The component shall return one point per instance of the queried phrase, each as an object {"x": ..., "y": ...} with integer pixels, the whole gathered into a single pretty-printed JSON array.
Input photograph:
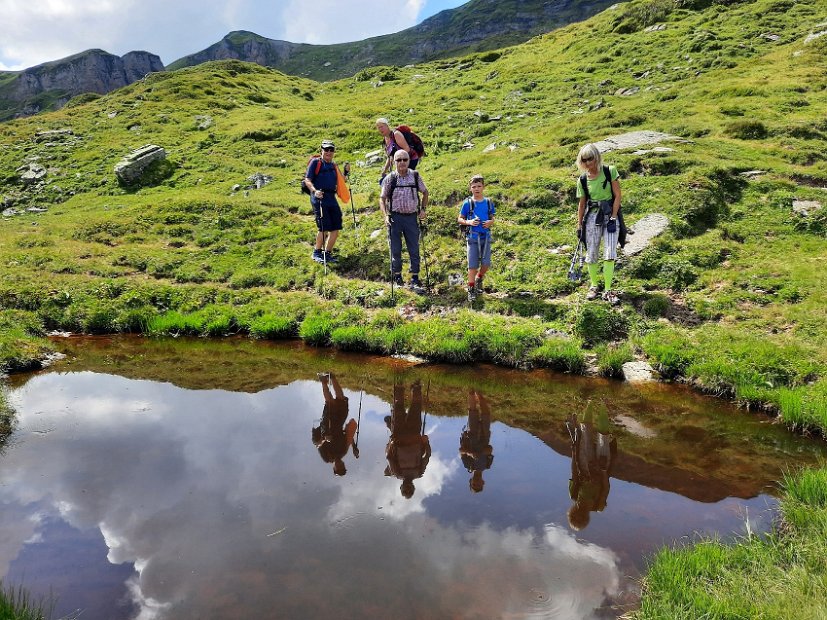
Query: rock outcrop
[
  {"x": 132, "y": 167},
  {"x": 92, "y": 71}
]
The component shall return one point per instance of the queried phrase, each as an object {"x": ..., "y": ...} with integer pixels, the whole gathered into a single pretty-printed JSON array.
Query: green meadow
[{"x": 731, "y": 299}]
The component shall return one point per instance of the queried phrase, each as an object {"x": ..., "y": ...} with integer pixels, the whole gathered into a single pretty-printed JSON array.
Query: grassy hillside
[{"x": 732, "y": 297}]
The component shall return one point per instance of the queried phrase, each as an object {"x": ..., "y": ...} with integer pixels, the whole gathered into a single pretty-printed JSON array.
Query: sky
[{"x": 37, "y": 31}]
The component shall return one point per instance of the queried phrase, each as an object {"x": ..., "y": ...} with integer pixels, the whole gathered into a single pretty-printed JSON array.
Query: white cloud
[{"x": 35, "y": 32}]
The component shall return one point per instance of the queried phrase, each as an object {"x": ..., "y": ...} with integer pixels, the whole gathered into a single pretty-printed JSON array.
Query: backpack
[
  {"x": 464, "y": 229},
  {"x": 392, "y": 187},
  {"x": 413, "y": 140},
  {"x": 304, "y": 188},
  {"x": 622, "y": 231}
]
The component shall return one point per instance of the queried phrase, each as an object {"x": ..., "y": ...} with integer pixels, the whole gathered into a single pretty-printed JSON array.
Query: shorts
[
  {"x": 328, "y": 217},
  {"x": 474, "y": 243}
]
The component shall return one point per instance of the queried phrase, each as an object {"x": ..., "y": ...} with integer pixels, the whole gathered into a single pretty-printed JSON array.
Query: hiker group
[{"x": 403, "y": 202}]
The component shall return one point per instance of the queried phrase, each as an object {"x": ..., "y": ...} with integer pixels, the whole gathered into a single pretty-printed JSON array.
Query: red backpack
[{"x": 413, "y": 140}]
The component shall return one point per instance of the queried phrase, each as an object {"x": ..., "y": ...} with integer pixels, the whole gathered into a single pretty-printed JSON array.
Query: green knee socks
[
  {"x": 608, "y": 273},
  {"x": 594, "y": 274}
]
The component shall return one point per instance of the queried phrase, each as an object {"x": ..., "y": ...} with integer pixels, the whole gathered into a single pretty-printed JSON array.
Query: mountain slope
[
  {"x": 475, "y": 26},
  {"x": 52, "y": 84}
]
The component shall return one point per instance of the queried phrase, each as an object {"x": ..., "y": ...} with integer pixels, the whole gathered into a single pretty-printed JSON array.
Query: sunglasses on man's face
[
  {"x": 401, "y": 159},
  {"x": 328, "y": 149}
]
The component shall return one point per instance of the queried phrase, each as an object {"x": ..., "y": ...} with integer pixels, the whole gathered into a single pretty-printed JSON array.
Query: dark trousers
[{"x": 408, "y": 227}]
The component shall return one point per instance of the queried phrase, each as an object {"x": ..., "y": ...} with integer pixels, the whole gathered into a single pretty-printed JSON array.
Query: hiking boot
[
  {"x": 317, "y": 256},
  {"x": 592, "y": 293},
  {"x": 398, "y": 281},
  {"x": 472, "y": 292},
  {"x": 415, "y": 283},
  {"x": 611, "y": 297},
  {"x": 478, "y": 285},
  {"x": 329, "y": 257}
]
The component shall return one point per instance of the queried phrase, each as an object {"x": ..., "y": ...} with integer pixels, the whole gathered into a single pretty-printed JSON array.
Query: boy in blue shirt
[{"x": 477, "y": 214}]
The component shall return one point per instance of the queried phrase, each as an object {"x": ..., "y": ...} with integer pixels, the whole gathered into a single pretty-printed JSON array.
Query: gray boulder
[
  {"x": 31, "y": 173},
  {"x": 132, "y": 167}
]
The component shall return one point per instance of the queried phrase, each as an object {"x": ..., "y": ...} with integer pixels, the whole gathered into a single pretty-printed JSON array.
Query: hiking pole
[
  {"x": 422, "y": 231},
  {"x": 352, "y": 206},
  {"x": 390, "y": 256},
  {"x": 358, "y": 426}
]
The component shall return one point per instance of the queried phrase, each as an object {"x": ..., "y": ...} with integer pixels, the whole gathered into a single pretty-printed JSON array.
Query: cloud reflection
[{"x": 223, "y": 506}]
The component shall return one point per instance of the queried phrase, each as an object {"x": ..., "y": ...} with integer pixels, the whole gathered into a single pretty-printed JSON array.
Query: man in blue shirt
[{"x": 321, "y": 179}]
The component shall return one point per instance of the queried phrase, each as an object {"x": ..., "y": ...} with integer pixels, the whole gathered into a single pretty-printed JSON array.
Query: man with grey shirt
[{"x": 402, "y": 206}]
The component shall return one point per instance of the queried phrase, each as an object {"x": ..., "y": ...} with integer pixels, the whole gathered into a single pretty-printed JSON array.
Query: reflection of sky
[{"x": 221, "y": 504}]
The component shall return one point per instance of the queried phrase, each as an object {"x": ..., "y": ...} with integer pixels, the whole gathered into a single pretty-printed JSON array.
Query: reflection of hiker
[
  {"x": 593, "y": 450},
  {"x": 394, "y": 140},
  {"x": 475, "y": 441},
  {"x": 477, "y": 216},
  {"x": 333, "y": 437},
  {"x": 408, "y": 449},
  {"x": 598, "y": 217},
  {"x": 324, "y": 180},
  {"x": 400, "y": 204}
]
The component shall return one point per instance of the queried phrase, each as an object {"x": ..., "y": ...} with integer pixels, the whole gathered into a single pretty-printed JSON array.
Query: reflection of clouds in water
[
  {"x": 195, "y": 500},
  {"x": 18, "y": 527},
  {"x": 363, "y": 497}
]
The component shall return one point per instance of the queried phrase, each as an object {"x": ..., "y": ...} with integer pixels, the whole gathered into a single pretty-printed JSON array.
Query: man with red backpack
[{"x": 322, "y": 180}]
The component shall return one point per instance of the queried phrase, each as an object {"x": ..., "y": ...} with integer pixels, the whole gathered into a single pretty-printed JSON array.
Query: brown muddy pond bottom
[{"x": 170, "y": 479}]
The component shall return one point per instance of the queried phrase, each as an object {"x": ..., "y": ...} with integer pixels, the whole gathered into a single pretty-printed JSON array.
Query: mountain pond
[{"x": 178, "y": 478}]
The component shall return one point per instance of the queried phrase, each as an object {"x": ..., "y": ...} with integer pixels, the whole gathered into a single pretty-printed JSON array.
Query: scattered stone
[
  {"x": 132, "y": 167},
  {"x": 374, "y": 157},
  {"x": 647, "y": 228},
  {"x": 112, "y": 114},
  {"x": 633, "y": 139},
  {"x": 10, "y": 212},
  {"x": 235, "y": 188},
  {"x": 563, "y": 249},
  {"x": 770, "y": 37},
  {"x": 203, "y": 121},
  {"x": 135, "y": 127},
  {"x": 259, "y": 180},
  {"x": 327, "y": 64},
  {"x": 53, "y": 134},
  {"x": 376, "y": 233},
  {"x": 805, "y": 207},
  {"x": 627, "y": 92},
  {"x": 752, "y": 173},
  {"x": 640, "y": 76},
  {"x": 411, "y": 359},
  {"x": 655, "y": 28},
  {"x": 813, "y": 36},
  {"x": 377, "y": 84},
  {"x": 468, "y": 146},
  {"x": 657, "y": 149},
  {"x": 490, "y": 147},
  {"x": 512, "y": 147},
  {"x": 638, "y": 372},
  {"x": 32, "y": 173},
  {"x": 36, "y": 210}
]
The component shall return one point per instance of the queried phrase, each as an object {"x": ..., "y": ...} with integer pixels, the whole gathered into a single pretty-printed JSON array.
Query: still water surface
[{"x": 188, "y": 479}]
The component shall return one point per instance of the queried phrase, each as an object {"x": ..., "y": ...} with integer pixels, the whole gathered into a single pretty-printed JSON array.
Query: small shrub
[
  {"x": 596, "y": 323},
  {"x": 273, "y": 327},
  {"x": 560, "y": 354},
  {"x": 315, "y": 329},
  {"x": 350, "y": 338},
  {"x": 656, "y": 306},
  {"x": 747, "y": 130},
  {"x": 677, "y": 273},
  {"x": 611, "y": 357}
]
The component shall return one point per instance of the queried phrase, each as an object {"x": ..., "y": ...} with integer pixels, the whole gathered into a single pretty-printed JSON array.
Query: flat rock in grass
[
  {"x": 638, "y": 372},
  {"x": 376, "y": 233},
  {"x": 752, "y": 173},
  {"x": 411, "y": 359},
  {"x": 633, "y": 139},
  {"x": 658, "y": 150},
  {"x": 815, "y": 35},
  {"x": 51, "y": 135},
  {"x": 646, "y": 228},
  {"x": 132, "y": 167},
  {"x": 31, "y": 173},
  {"x": 806, "y": 207}
]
